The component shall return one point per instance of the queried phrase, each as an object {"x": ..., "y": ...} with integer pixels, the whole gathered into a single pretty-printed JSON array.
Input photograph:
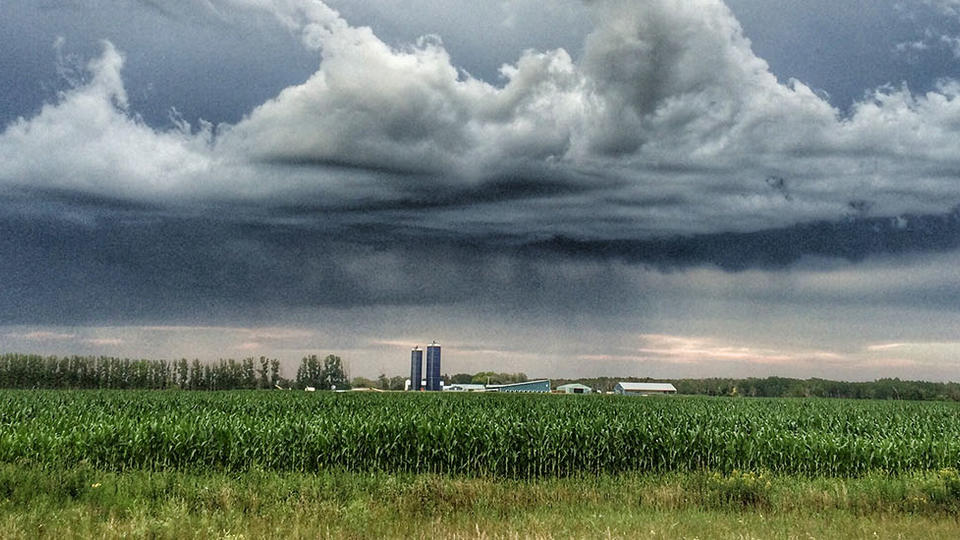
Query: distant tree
[
  {"x": 274, "y": 372},
  {"x": 362, "y": 382},
  {"x": 332, "y": 374},
  {"x": 183, "y": 373},
  {"x": 163, "y": 374},
  {"x": 490, "y": 377},
  {"x": 249, "y": 374},
  {"x": 209, "y": 378},
  {"x": 461, "y": 378},
  {"x": 309, "y": 373},
  {"x": 482, "y": 377},
  {"x": 196, "y": 375},
  {"x": 263, "y": 373},
  {"x": 322, "y": 375}
]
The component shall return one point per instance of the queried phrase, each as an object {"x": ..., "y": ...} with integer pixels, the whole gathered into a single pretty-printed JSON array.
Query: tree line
[
  {"x": 788, "y": 387},
  {"x": 91, "y": 372},
  {"x": 383, "y": 382}
]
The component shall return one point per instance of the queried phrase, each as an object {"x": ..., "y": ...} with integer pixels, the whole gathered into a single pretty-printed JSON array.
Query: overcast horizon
[{"x": 567, "y": 188}]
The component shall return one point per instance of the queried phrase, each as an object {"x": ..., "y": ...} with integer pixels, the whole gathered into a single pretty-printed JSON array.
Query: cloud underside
[{"x": 149, "y": 267}]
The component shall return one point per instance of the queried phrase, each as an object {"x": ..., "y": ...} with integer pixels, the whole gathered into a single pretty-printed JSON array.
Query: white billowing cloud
[
  {"x": 90, "y": 142},
  {"x": 678, "y": 69},
  {"x": 412, "y": 110},
  {"x": 668, "y": 103},
  {"x": 668, "y": 98},
  {"x": 313, "y": 19},
  {"x": 367, "y": 106}
]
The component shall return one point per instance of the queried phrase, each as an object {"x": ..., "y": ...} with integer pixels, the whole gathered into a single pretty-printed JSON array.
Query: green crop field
[
  {"x": 507, "y": 436},
  {"x": 177, "y": 464}
]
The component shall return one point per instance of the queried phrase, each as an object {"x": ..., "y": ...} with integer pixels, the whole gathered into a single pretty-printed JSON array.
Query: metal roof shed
[
  {"x": 643, "y": 389},
  {"x": 465, "y": 387},
  {"x": 574, "y": 388}
]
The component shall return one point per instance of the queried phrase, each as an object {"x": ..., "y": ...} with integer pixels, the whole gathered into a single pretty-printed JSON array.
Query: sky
[{"x": 567, "y": 188}]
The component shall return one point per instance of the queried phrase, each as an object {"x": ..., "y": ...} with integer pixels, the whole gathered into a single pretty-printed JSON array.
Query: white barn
[
  {"x": 643, "y": 389},
  {"x": 574, "y": 388},
  {"x": 465, "y": 387}
]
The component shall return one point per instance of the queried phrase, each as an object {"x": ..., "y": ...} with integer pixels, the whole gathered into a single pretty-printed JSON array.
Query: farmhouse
[
  {"x": 574, "y": 388},
  {"x": 643, "y": 389}
]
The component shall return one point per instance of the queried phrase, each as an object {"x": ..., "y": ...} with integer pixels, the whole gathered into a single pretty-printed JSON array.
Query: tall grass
[{"x": 84, "y": 502}]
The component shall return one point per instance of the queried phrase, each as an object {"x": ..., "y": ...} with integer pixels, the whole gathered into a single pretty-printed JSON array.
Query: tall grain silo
[
  {"x": 433, "y": 367},
  {"x": 416, "y": 368}
]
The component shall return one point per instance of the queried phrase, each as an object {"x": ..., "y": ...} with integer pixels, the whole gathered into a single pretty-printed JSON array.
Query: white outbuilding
[
  {"x": 643, "y": 389},
  {"x": 465, "y": 387},
  {"x": 574, "y": 388}
]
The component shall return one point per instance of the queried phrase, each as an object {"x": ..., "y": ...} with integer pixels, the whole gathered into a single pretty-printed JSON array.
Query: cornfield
[{"x": 517, "y": 436}]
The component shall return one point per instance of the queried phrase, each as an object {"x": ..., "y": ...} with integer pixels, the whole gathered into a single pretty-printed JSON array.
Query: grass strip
[{"x": 85, "y": 502}]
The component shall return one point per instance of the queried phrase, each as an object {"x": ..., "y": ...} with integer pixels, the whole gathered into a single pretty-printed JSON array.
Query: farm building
[
  {"x": 465, "y": 387},
  {"x": 542, "y": 385},
  {"x": 643, "y": 389},
  {"x": 423, "y": 384},
  {"x": 574, "y": 388}
]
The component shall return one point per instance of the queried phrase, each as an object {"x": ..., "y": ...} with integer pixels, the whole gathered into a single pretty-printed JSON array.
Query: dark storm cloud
[
  {"x": 520, "y": 186},
  {"x": 120, "y": 266},
  {"x": 30, "y": 200},
  {"x": 87, "y": 262},
  {"x": 853, "y": 239}
]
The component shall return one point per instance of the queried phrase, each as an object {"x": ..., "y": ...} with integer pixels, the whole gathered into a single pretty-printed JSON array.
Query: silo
[
  {"x": 433, "y": 367},
  {"x": 416, "y": 368}
]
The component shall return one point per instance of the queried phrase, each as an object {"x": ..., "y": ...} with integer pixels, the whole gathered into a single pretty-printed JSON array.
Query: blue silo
[
  {"x": 416, "y": 368},
  {"x": 433, "y": 367}
]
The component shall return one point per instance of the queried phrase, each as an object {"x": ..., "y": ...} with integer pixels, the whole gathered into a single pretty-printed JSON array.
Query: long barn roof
[
  {"x": 524, "y": 383},
  {"x": 647, "y": 387}
]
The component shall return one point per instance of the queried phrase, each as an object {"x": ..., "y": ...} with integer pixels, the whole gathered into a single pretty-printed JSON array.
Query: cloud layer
[{"x": 667, "y": 123}]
